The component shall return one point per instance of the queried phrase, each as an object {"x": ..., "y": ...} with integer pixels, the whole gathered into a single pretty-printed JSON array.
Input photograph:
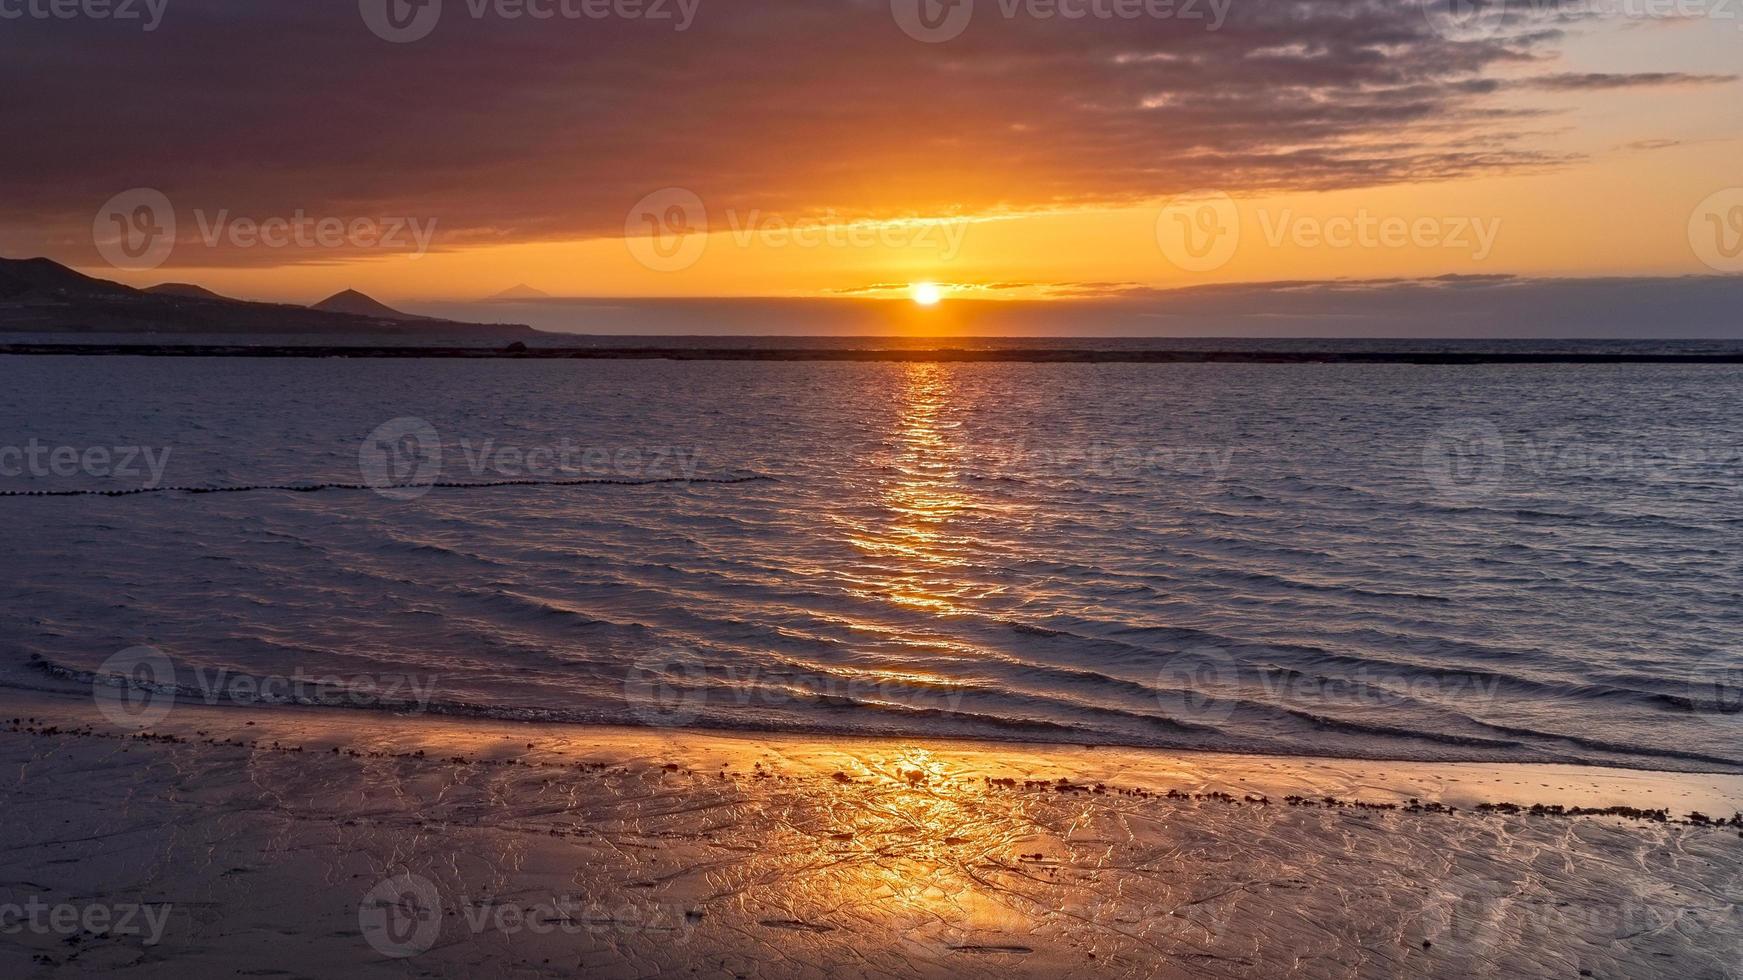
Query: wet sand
[{"x": 303, "y": 842}]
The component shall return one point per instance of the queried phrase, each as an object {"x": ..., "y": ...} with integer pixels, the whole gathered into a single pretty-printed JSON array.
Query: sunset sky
[{"x": 1023, "y": 159}]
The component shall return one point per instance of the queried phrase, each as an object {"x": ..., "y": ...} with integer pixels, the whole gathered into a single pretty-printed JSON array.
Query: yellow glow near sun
[{"x": 926, "y": 293}]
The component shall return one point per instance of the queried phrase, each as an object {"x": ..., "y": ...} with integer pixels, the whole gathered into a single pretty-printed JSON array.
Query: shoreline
[
  {"x": 867, "y": 354},
  {"x": 55, "y": 680},
  {"x": 1466, "y": 785}
]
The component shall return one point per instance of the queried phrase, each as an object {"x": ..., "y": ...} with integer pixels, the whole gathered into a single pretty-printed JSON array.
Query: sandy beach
[{"x": 307, "y": 842}]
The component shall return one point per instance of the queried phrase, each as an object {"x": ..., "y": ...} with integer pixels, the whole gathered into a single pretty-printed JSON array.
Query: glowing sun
[{"x": 926, "y": 293}]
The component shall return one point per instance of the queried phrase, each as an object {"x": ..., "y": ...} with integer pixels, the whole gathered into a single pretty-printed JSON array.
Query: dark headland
[{"x": 41, "y": 296}]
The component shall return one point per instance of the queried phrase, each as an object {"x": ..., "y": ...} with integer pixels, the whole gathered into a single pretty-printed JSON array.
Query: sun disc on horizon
[{"x": 926, "y": 293}]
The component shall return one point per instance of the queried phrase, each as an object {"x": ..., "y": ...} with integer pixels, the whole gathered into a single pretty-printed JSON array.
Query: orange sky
[
  {"x": 1620, "y": 214},
  {"x": 828, "y": 155}
]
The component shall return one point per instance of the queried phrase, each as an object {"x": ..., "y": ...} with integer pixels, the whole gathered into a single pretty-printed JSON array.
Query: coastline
[
  {"x": 1153, "y": 770},
  {"x": 864, "y": 354},
  {"x": 270, "y": 833}
]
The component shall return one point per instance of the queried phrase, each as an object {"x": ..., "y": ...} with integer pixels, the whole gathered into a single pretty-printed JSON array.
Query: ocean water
[
  {"x": 851, "y": 342},
  {"x": 1390, "y": 561}
]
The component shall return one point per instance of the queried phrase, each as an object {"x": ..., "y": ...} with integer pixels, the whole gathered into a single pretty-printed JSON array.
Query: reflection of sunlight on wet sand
[
  {"x": 908, "y": 847},
  {"x": 690, "y": 853}
]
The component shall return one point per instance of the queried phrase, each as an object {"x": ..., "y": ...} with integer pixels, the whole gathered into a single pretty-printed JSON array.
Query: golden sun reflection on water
[{"x": 916, "y": 545}]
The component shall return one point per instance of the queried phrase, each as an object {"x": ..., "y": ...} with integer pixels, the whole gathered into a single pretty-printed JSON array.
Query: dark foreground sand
[{"x": 324, "y": 843}]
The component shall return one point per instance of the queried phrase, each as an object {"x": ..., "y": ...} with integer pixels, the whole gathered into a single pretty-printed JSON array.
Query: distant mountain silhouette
[
  {"x": 519, "y": 290},
  {"x": 186, "y": 290},
  {"x": 43, "y": 296},
  {"x": 357, "y": 304},
  {"x": 25, "y": 280}
]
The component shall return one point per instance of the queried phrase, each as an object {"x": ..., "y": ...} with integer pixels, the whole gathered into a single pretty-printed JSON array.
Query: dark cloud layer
[
  {"x": 511, "y": 130},
  {"x": 1599, "y": 81}
]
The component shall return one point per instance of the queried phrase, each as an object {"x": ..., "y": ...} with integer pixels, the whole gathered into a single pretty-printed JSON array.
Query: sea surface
[
  {"x": 1538, "y": 562},
  {"x": 921, "y": 342}
]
